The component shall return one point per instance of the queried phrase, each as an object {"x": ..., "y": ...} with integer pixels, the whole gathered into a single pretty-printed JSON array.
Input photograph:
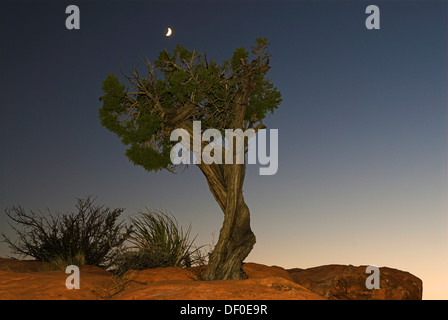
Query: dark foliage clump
[{"x": 89, "y": 234}]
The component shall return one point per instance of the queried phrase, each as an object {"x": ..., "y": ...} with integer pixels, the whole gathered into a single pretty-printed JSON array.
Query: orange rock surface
[{"x": 25, "y": 280}]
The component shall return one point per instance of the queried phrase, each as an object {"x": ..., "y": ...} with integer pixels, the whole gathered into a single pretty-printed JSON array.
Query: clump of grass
[
  {"x": 156, "y": 240},
  {"x": 62, "y": 262}
]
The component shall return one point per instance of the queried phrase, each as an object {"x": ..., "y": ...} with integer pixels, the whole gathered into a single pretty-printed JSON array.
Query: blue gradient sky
[{"x": 362, "y": 173}]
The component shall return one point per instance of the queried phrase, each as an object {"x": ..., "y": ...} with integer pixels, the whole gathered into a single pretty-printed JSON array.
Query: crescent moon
[{"x": 169, "y": 32}]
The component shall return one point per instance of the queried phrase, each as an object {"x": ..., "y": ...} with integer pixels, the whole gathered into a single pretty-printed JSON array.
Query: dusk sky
[{"x": 362, "y": 174}]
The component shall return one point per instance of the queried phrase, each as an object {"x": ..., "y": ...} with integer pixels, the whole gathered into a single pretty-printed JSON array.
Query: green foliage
[
  {"x": 186, "y": 88},
  {"x": 147, "y": 157},
  {"x": 87, "y": 235},
  {"x": 112, "y": 104},
  {"x": 239, "y": 58}
]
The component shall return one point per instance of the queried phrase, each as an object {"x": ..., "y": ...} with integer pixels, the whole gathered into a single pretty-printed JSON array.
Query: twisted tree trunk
[{"x": 236, "y": 238}]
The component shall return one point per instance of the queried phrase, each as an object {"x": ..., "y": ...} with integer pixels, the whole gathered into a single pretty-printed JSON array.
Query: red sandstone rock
[
  {"x": 50, "y": 285},
  {"x": 160, "y": 274},
  {"x": 273, "y": 288},
  {"x": 25, "y": 280},
  {"x": 257, "y": 271},
  {"x": 348, "y": 283}
]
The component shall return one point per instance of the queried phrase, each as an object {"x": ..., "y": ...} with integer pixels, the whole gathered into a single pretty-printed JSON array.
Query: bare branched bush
[{"x": 91, "y": 231}]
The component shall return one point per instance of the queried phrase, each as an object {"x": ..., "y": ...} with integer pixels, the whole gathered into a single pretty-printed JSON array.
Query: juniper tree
[{"x": 182, "y": 87}]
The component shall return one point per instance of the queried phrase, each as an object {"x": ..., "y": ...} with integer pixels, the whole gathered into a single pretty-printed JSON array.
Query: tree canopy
[{"x": 182, "y": 87}]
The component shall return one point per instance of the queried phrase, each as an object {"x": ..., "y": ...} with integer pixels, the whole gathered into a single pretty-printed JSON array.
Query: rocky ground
[{"x": 25, "y": 280}]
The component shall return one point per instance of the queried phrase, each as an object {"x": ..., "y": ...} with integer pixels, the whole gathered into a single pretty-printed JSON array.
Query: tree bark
[{"x": 236, "y": 238}]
